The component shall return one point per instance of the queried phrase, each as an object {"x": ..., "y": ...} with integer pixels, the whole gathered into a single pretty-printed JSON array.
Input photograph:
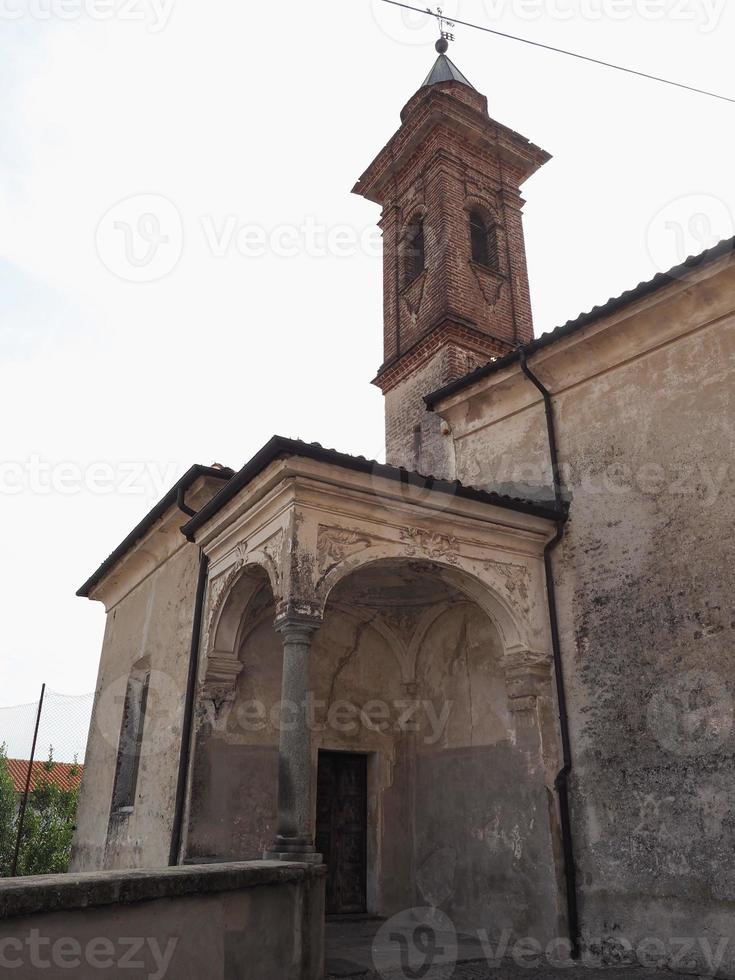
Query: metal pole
[{"x": 24, "y": 804}]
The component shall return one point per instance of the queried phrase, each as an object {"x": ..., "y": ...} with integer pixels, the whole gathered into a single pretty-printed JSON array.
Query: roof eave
[
  {"x": 157, "y": 513},
  {"x": 279, "y": 447},
  {"x": 615, "y": 305}
]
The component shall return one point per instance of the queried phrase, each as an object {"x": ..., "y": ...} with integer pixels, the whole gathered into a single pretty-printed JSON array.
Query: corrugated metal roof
[{"x": 279, "y": 447}]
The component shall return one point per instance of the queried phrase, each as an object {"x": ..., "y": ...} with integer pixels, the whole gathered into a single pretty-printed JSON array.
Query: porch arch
[
  {"x": 237, "y": 602},
  {"x": 457, "y": 805},
  {"x": 455, "y": 571}
]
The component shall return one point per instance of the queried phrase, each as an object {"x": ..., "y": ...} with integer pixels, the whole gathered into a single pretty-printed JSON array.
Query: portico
[{"x": 360, "y": 610}]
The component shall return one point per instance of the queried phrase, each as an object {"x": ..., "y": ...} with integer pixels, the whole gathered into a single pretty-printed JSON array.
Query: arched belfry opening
[
  {"x": 414, "y": 258},
  {"x": 484, "y": 240}
]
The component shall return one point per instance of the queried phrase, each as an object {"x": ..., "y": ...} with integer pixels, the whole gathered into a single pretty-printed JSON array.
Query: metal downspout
[
  {"x": 561, "y": 783},
  {"x": 186, "y": 724}
]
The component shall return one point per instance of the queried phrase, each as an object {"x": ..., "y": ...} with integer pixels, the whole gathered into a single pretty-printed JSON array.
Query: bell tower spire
[
  {"x": 455, "y": 282},
  {"x": 444, "y": 70}
]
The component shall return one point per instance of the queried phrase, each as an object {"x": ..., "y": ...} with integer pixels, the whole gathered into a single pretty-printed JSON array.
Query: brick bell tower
[{"x": 455, "y": 279}]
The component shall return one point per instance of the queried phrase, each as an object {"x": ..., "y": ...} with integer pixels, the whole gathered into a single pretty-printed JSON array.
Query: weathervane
[{"x": 442, "y": 45}]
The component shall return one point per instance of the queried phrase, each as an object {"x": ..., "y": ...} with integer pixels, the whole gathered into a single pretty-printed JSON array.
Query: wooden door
[{"x": 341, "y": 829}]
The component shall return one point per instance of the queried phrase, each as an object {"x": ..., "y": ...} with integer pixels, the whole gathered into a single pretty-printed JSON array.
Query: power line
[{"x": 569, "y": 54}]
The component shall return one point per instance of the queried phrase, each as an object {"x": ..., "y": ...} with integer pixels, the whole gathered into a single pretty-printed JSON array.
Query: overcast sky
[{"x": 232, "y": 134}]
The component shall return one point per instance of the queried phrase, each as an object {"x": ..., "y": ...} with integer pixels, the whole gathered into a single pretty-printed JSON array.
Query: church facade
[{"x": 492, "y": 675}]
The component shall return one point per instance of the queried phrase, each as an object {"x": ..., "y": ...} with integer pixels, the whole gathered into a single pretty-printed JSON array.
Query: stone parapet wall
[{"x": 262, "y": 920}]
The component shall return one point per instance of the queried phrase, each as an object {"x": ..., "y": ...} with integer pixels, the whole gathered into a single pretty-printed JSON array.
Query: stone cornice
[
  {"x": 299, "y": 485},
  {"x": 434, "y": 107},
  {"x": 447, "y": 331}
]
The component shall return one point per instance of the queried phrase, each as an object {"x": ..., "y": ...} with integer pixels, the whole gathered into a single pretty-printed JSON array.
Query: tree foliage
[
  {"x": 48, "y": 827},
  {"x": 8, "y": 807}
]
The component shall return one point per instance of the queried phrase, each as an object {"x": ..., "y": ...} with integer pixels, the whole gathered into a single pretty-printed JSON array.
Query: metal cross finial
[{"x": 442, "y": 45}]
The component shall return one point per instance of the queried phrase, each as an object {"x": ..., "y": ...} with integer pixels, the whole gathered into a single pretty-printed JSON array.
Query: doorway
[{"x": 341, "y": 829}]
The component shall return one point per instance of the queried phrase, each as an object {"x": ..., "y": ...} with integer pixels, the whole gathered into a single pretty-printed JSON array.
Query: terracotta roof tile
[{"x": 66, "y": 775}]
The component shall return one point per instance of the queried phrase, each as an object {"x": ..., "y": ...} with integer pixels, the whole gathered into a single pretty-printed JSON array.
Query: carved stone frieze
[
  {"x": 219, "y": 588},
  {"x": 273, "y": 547},
  {"x": 516, "y": 581},
  {"x": 335, "y": 544},
  {"x": 272, "y": 551},
  {"x": 430, "y": 544}
]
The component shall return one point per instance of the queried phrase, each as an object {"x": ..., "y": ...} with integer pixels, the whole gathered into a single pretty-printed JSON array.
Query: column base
[
  {"x": 306, "y": 857},
  {"x": 293, "y": 849}
]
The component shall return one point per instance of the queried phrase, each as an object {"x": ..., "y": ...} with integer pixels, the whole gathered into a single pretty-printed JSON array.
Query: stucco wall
[
  {"x": 646, "y": 433},
  {"x": 152, "y": 624},
  {"x": 235, "y": 773},
  {"x": 483, "y": 840}
]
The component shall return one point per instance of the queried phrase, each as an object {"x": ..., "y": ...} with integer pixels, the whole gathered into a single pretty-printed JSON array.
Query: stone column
[{"x": 294, "y": 839}]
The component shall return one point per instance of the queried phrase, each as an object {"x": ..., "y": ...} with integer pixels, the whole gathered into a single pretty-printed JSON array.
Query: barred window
[{"x": 484, "y": 239}]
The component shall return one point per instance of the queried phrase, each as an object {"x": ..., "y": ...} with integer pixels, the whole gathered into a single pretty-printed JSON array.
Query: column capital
[
  {"x": 527, "y": 677},
  {"x": 297, "y": 628},
  {"x": 520, "y": 658}
]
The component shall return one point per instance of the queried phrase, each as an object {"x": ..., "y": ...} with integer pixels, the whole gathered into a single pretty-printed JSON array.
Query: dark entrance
[{"x": 341, "y": 829}]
